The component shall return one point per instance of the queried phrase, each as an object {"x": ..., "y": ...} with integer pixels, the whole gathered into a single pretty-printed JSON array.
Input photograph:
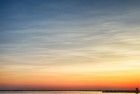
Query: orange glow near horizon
[{"x": 65, "y": 79}]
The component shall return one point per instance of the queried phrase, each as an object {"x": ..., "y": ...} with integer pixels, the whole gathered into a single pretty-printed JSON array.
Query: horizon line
[{"x": 107, "y": 90}]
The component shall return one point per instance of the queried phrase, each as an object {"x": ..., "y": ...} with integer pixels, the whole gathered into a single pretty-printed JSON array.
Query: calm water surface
[{"x": 56, "y": 92}]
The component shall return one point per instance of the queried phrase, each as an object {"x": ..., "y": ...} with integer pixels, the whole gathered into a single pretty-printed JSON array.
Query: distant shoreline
[
  {"x": 120, "y": 91},
  {"x": 104, "y": 91}
]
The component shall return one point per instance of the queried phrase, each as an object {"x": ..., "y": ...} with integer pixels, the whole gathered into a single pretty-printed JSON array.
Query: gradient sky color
[{"x": 69, "y": 44}]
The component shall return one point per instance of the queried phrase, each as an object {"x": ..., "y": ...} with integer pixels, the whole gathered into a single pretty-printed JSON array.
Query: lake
[{"x": 57, "y": 92}]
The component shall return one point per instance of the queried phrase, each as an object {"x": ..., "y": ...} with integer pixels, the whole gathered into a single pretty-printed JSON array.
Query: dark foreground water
[{"x": 57, "y": 92}]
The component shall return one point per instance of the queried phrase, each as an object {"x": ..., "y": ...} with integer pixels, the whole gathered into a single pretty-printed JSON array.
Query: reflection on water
[{"x": 56, "y": 92}]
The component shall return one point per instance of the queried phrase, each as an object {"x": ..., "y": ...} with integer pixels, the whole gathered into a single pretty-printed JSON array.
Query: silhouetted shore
[
  {"x": 116, "y": 91},
  {"x": 104, "y": 91}
]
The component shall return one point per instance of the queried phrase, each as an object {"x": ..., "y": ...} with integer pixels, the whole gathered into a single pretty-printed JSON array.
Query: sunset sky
[{"x": 69, "y": 44}]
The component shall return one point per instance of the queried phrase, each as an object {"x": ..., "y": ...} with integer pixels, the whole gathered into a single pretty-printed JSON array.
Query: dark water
[{"x": 57, "y": 92}]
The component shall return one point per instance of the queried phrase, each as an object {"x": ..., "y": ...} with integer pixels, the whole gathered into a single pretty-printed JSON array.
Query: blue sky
[{"x": 29, "y": 27}]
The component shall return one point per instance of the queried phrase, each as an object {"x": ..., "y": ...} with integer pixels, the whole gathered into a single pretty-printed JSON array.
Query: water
[{"x": 57, "y": 92}]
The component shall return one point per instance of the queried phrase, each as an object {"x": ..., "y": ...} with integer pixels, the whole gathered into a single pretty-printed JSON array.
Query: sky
[{"x": 69, "y": 44}]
